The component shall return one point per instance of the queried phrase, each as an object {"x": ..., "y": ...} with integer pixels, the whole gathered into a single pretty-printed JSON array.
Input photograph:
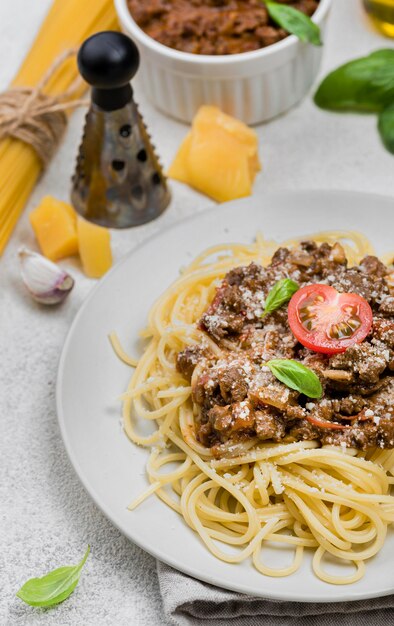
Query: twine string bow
[{"x": 36, "y": 118}]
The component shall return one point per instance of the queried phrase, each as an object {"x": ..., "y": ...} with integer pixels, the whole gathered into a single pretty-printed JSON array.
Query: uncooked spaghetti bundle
[{"x": 32, "y": 112}]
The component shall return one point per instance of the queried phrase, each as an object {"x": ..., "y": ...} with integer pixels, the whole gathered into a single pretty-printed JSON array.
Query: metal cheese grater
[{"x": 118, "y": 181}]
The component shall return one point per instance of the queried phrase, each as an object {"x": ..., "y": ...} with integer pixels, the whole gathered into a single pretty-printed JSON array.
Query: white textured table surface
[{"x": 46, "y": 517}]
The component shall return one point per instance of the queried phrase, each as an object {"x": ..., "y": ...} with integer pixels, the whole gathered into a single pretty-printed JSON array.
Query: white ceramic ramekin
[{"x": 253, "y": 86}]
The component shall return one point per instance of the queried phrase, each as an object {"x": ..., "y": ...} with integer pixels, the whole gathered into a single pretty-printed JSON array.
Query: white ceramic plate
[{"x": 91, "y": 379}]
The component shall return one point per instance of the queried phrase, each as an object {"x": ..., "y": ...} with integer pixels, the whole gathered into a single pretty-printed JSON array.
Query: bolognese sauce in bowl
[
  {"x": 212, "y": 26},
  {"x": 227, "y": 53}
]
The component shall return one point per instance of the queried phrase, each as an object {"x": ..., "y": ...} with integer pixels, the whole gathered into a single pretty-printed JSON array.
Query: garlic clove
[{"x": 46, "y": 282}]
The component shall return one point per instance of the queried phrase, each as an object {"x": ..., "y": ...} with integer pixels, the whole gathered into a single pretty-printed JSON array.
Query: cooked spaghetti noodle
[{"x": 332, "y": 500}]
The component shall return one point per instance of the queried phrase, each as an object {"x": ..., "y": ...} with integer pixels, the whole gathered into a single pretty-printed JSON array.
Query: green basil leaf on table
[
  {"x": 54, "y": 587},
  {"x": 280, "y": 293},
  {"x": 295, "y": 22},
  {"x": 296, "y": 376},
  {"x": 364, "y": 84},
  {"x": 386, "y": 127}
]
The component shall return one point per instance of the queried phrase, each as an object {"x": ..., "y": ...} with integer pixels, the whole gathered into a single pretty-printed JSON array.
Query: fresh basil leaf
[
  {"x": 295, "y": 22},
  {"x": 364, "y": 84},
  {"x": 386, "y": 127},
  {"x": 54, "y": 587},
  {"x": 280, "y": 293},
  {"x": 296, "y": 376}
]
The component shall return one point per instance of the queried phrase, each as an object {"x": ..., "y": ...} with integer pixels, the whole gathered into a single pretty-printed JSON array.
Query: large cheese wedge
[
  {"x": 94, "y": 248},
  {"x": 54, "y": 225},
  {"x": 218, "y": 157}
]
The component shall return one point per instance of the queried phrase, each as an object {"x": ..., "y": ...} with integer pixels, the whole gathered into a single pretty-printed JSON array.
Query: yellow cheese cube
[
  {"x": 218, "y": 166},
  {"x": 54, "y": 225},
  {"x": 219, "y": 157},
  {"x": 94, "y": 248},
  {"x": 209, "y": 117},
  {"x": 179, "y": 169}
]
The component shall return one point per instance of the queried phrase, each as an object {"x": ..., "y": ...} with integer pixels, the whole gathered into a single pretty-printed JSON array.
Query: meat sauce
[
  {"x": 212, "y": 26},
  {"x": 237, "y": 399}
]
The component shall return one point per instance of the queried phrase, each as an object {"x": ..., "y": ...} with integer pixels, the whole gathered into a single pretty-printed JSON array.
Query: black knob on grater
[
  {"x": 108, "y": 61},
  {"x": 118, "y": 181}
]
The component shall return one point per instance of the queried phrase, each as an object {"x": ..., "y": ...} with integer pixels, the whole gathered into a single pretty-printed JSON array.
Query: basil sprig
[
  {"x": 280, "y": 293},
  {"x": 386, "y": 127},
  {"x": 54, "y": 587},
  {"x": 363, "y": 85},
  {"x": 296, "y": 376},
  {"x": 294, "y": 21}
]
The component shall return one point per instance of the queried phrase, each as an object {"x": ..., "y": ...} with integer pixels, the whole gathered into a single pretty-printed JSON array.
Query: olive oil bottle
[{"x": 381, "y": 13}]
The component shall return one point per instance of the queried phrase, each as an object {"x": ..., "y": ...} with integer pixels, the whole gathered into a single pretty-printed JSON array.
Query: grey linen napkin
[{"x": 190, "y": 602}]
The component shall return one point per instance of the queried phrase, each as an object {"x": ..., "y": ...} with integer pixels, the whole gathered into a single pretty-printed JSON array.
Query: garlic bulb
[{"x": 46, "y": 282}]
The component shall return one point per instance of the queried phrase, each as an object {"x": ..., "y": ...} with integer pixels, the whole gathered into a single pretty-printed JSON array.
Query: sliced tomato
[{"x": 324, "y": 320}]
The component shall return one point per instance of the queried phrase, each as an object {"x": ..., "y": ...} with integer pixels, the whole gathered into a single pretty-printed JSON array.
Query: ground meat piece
[
  {"x": 280, "y": 257},
  {"x": 385, "y": 433},
  {"x": 367, "y": 390},
  {"x": 222, "y": 380},
  {"x": 300, "y": 257},
  {"x": 233, "y": 385},
  {"x": 271, "y": 393},
  {"x": 238, "y": 302},
  {"x": 316, "y": 361},
  {"x": 309, "y": 246},
  {"x": 304, "y": 431},
  {"x": 187, "y": 360},
  {"x": 293, "y": 412},
  {"x": 371, "y": 265},
  {"x": 267, "y": 344},
  {"x": 383, "y": 330},
  {"x": 326, "y": 258},
  {"x": 220, "y": 417},
  {"x": 205, "y": 434},
  {"x": 358, "y": 436},
  {"x": 231, "y": 299},
  {"x": 369, "y": 286},
  {"x": 387, "y": 305},
  {"x": 225, "y": 316},
  {"x": 337, "y": 254},
  {"x": 273, "y": 340},
  {"x": 205, "y": 388},
  {"x": 268, "y": 425},
  {"x": 309, "y": 262},
  {"x": 381, "y": 402},
  {"x": 253, "y": 277},
  {"x": 350, "y": 405},
  {"x": 239, "y": 275},
  {"x": 243, "y": 416},
  {"x": 270, "y": 347},
  {"x": 375, "y": 423},
  {"x": 231, "y": 418},
  {"x": 364, "y": 360},
  {"x": 322, "y": 410}
]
